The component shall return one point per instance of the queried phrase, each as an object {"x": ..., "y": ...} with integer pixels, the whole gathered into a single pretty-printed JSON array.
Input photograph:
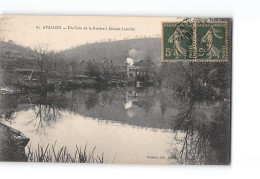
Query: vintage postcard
[{"x": 116, "y": 90}]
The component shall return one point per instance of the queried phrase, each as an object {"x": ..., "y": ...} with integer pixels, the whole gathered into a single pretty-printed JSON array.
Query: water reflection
[
  {"x": 147, "y": 125},
  {"x": 202, "y": 134},
  {"x": 45, "y": 115}
]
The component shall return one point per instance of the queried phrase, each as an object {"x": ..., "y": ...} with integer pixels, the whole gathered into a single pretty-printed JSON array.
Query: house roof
[
  {"x": 26, "y": 70},
  {"x": 142, "y": 63},
  {"x": 81, "y": 76},
  {"x": 82, "y": 62},
  {"x": 104, "y": 60}
]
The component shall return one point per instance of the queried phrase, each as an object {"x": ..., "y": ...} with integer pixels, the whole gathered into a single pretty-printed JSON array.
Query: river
[{"x": 127, "y": 125}]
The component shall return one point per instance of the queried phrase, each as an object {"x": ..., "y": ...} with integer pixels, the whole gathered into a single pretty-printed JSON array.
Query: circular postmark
[{"x": 191, "y": 42}]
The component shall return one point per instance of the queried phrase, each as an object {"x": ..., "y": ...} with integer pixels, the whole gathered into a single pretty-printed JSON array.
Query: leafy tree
[{"x": 93, "y": 69}]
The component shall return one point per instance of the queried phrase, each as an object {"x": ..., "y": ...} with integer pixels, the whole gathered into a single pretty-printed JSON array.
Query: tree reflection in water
[
  {"x": 201, "y": 134},
  {"x": 46, "y": 111},
  {"x": 45, "y": 116}
]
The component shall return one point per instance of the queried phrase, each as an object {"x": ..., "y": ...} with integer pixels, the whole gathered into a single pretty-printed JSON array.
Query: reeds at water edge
[{"x": 50, "y": 154}]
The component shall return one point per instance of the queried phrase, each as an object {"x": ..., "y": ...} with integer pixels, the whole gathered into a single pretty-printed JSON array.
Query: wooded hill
[
  {"x": 11, "y": 49},
  {"x": 117, "y": 51}
]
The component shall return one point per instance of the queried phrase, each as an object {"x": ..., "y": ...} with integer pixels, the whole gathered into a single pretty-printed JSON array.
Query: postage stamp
[{"x": 198, "y": 40}]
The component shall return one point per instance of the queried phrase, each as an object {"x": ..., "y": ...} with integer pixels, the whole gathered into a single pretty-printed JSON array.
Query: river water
[{"x": 128, "y": 125}]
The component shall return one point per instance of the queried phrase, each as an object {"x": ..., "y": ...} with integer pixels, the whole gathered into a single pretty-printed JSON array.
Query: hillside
[
  {"x": 118, "y": 51},
  {"x": 14, "y": 50}
]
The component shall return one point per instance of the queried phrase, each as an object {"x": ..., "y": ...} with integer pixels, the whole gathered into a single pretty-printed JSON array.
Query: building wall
[{"x": 134, "y": 71}]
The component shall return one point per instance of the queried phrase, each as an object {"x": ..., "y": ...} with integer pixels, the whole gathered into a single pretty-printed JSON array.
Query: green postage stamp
[{"x": 202, "y": 40}]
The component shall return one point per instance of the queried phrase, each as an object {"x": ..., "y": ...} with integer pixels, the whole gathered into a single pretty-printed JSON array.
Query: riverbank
[{"x": 99, "y": 84}]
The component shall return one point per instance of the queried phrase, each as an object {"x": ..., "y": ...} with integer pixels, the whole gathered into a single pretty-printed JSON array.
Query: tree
[
  {"x": 158, "y": 75},
  {"x": 201, "y": 80},
  {"x": 58, "y": 67},
  {"x": 42, "y": 56},
  {"x": 74, "y": 68},
  {"x": 92, "y": 69}
]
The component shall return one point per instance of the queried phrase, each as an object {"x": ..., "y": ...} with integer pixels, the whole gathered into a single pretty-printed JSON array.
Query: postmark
[{"x": 196, "y": 39}]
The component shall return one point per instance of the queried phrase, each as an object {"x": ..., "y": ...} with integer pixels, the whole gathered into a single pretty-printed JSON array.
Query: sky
[{"x": 34, "y": 30}]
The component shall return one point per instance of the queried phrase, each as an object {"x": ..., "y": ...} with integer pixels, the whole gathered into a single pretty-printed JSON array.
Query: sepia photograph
[{"x": 115, "y": 90}]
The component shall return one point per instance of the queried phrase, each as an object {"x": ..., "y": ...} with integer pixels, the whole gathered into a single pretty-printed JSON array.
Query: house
[
  {"x": 76, "y": 67},
  {"x": 79, "y": 77},
  {"x": 28, "y": 74},
  {"x": 112, "y": 70},
  {"x": 141, "y": 68}
]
